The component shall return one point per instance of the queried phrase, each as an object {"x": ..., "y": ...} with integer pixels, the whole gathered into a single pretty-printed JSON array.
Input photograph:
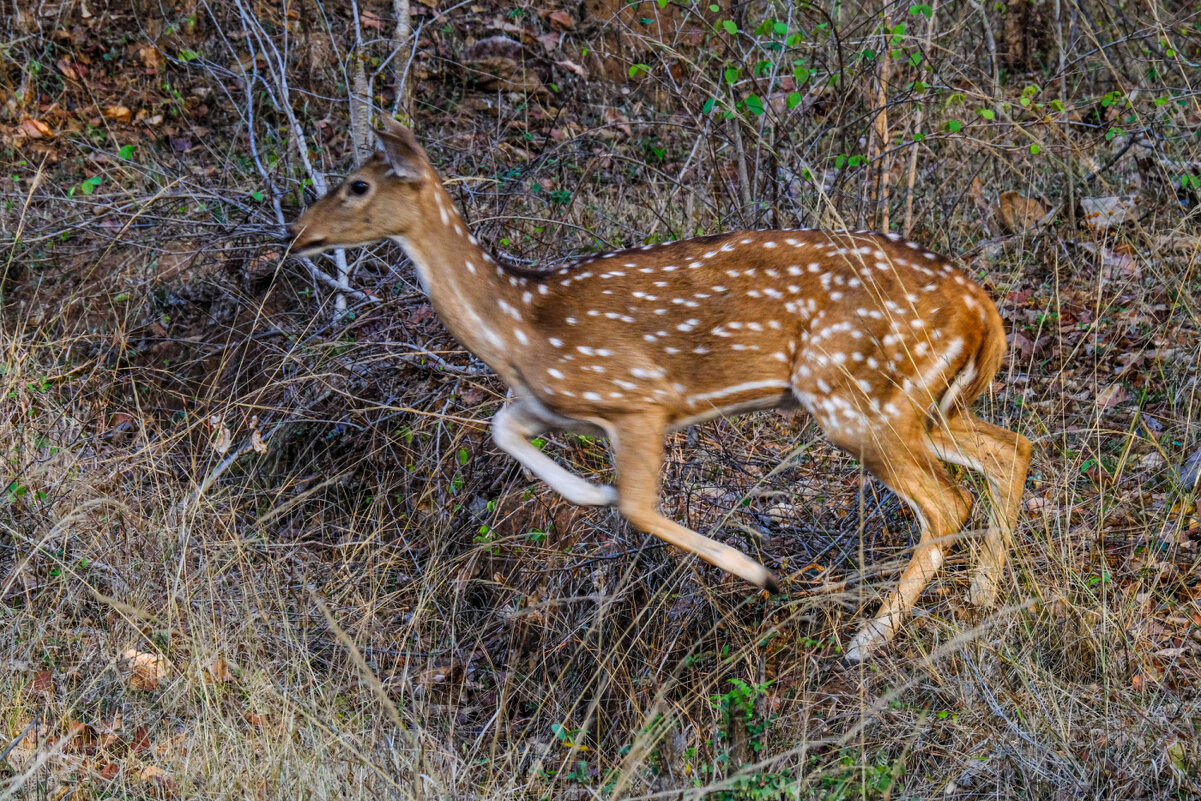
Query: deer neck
[{"x": 464, "y": 283}]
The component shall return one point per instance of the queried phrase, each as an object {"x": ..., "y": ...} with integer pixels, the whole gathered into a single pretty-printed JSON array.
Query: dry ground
[{"x": 255, "y": 542}]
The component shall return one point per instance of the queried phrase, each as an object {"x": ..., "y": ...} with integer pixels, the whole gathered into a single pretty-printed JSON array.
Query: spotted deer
[{"x": 883, "y": 342}]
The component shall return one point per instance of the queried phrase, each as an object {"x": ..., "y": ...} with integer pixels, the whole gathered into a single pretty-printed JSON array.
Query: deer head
[{"x": 385, "y": 197}]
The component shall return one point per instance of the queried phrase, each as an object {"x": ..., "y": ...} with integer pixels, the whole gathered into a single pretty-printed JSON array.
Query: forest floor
[{"x": 256, "y": 542}]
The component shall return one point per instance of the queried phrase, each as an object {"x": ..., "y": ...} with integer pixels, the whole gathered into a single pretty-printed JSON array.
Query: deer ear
[{"x": 405, "y": 156}]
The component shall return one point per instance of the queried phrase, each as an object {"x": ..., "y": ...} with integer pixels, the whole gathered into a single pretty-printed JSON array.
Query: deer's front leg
[
  {"x": 637, "y": 444},
  {"x": 512, "y": 428}
]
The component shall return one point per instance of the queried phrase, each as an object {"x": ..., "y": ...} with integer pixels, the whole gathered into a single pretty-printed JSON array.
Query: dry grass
[{"x": 374, "y": 603}]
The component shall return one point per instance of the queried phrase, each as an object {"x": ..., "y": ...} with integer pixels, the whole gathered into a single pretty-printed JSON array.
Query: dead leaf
[
  {"x": 43, "y": 681},
  {"x": 419, "y": 314},
  {"x": 1112, "y": 395},
  {"x": 141, "y": 739},
  {"x": 35, "y": 129},
  {"x": 571, "y": 66},
  {"x": 224, "y": 439},
  {"x": 1116, "y": 263},
  {"x": 256, "y": 442},
  {"x": 119, "y": 113},
  {"x": 1152, "y": 461},
  {"x": 371, "y": 20},
  {"x": 1038, "y": 505},
  {"x": 975, "y": 190},
  {"x": 151, "y": 58},
  {"x": 550, "y": 40},
  {"x": 152, "y": 773},
  {"x": 1021, "y": 344},
  {"x": 146, "y": 670},
  {"x": 1106, "y": 212},
  {"x": 218, "y": 671},
  {"x": 1140, "y": 681},
  {"x": 561, "y": 19},
  {"x": 619, "y": 121},
  {"x": 70, "y": 70},
  {"x": 1019, "y": 213}
]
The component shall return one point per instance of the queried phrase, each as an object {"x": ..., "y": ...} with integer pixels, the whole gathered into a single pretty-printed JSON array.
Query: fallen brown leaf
[
  {"x": 145, "y": 670},
  {"x": 223, "y": 441},
  {"x": 119, "y": 113},
  {"x": 43, "y": 681},
  {"x": 35, "y": 129},
  {"x": 619, "y": 121},
  {"x": 1106, "y": 212},
  {"x": 1019, "y": 213},
  {"x": 1021, "y": 344},
  {"x": 218, "y": 670},
  {"x": 571, "y": 66},
  {"x": 1112, "y": 395}
]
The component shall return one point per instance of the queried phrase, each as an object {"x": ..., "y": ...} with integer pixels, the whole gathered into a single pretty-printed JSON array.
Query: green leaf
[
  {"x": 257, "y": 196},
  {"x": 731, "y": 75},
  {"x": 120, "y": 297},
  {"x": 714, "y": 7},
  {"x": 954, "y": 126},
  {"x": 986, "y": 113},
  {"x": 755, "y": 104},
  {"x": 1035, "y": 150},
  {"x": 464, "y": 456},
  {"x": 88, "y": 186},
  {"x": 915, "y": 59},
  {"x": 638, "y": 69},
  {"x": 661, "y": 3},
  {"x": 708, "y": 105},
  {"x": 126, "y": 152},
  {"x": 794, "y": 99},
  {"x": 780, "y": 28},
  {"x": 730, "y": 26}
]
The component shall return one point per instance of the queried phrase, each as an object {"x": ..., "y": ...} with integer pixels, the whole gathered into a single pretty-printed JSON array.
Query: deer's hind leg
[
  {"x": 915, "y": 475},
  {"x": 1003, "y": 457}
]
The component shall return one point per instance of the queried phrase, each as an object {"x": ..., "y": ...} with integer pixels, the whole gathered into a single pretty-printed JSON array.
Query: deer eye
[{"x": 359, "y": 188}]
